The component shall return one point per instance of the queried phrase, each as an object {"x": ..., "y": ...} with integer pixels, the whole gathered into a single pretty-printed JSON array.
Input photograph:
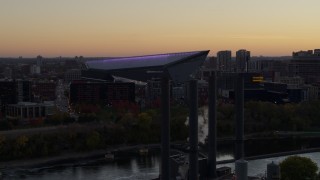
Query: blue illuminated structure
[{"x": 179, "y": 66}]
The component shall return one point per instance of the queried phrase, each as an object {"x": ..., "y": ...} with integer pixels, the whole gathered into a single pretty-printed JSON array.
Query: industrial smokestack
[
  {"x": 193, "y": 130},
  {"x": 212, "y": 128}
]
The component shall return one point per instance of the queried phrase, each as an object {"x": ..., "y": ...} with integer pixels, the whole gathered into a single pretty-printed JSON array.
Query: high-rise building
[
  {"x": 34, "y": 69},
  {"x": 304, "y": 54},
  {"x": 305, "y": 64},
  {"x": 7, "y": 94},
  {"x": 7, "y": 73},
  {"x": 23, "y": 88},
  {"x": 39, "y": 61},
  {"x": 211, "y": 63},
  {"x": 242, "y": 60},
  {"x": 224, "y": 60}
]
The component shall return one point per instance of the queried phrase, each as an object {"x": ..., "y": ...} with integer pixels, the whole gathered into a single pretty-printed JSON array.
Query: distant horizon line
[
  {"x": 73, "y": 57},
  {"x": 211, "y": 54},
  {"x": 111, "y": 57}
]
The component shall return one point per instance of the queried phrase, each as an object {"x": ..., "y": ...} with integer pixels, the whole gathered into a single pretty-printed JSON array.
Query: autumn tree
[{"x": 297, "y": 168}]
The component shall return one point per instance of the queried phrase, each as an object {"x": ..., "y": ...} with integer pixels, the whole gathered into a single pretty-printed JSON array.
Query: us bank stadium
[
  {"x": 125, "y": 78},
  {"x": 178, "y": 66}
]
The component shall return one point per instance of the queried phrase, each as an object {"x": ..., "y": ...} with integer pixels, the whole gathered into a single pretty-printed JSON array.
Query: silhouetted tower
[
  {"x": 242, "y": 60},
  {"x": 224, "y": 60}
]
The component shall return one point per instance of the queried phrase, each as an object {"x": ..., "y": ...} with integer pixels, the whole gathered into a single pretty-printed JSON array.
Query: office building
[
  {"x": 43, "y": 91},
  {"x": 23, "y": 91},
  {"x": 305, "y": 64},
  {"x": 100, "y": 92},
  {"x": 34, "y": 69},
  {"x": 72, "y": 75},
  {"x": 211, "y": 63},
  {"x": 7, "y": 94},
  {"x": 7, "y": 73},
  {"x": 242, "y": 60},
  {"x": 224, "y": 60}
]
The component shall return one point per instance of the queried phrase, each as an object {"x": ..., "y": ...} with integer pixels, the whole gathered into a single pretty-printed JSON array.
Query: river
[{"x": 137, "y": 167}]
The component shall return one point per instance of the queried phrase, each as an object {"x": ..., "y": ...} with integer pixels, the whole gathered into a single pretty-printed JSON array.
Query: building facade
[
  {"x": 242, "y": 60},
  {"x": 44, "y": 91},
  {"x": 100, "y": 92},
  {"x": 7, "y": 94},
  {"x": 224, "y": 60},
  {"x": 306, "y": 64},
  {"x": 72, "y": 75},
  {"x": 26, "y": 112}
]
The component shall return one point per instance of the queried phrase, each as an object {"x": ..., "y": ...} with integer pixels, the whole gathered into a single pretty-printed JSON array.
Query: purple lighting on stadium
[{"x": 139, "y": 61}]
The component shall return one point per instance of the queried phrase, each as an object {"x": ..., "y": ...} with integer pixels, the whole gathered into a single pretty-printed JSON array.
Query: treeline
[
  {"x": 267, "y": 117},
  {"x": 126, "y": 124},
  {"x": 118, "y": 126},
  {"x": 41, "y": 145}
]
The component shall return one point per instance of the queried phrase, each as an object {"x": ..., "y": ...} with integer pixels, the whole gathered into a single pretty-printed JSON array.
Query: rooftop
[
  {"x": 179, "y": 66},
  {"x": 140, "y": 61}
]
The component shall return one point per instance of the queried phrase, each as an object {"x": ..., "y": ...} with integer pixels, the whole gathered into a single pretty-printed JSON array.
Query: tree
[
  {"x": 93, "y": 140},
  {"x": 20, "y": 146},
  {"x": 297, "y": 168},
  {"x": 2, "y": 143}
]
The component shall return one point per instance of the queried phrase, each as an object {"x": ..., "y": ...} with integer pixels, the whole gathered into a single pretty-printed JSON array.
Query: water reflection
[
  {"x": 258, "y": 167},
  {"x": 136, "y": 168},
  {"x": 146, "y": 167}
]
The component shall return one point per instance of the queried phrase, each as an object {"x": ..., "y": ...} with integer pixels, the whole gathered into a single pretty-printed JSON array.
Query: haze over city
[
  {"x": 126, "y": 28},
  {"x": 146, "y": 89}
]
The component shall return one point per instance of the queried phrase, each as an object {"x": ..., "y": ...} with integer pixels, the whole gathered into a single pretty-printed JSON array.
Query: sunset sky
[{"x": 135, "y": 27}]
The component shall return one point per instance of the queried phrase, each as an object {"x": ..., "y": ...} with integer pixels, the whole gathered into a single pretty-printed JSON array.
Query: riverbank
[
  {"x": 79, "y": 157},
  {"x": 50, "y": 161},
  {"x": 73, "y": 157}
]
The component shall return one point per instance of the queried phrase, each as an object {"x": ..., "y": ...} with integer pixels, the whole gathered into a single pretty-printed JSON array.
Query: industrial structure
[{"x": 178, "y": 67}]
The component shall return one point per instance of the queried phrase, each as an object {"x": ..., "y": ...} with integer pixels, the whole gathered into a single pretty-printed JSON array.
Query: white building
[
  {"x": 25, "y": 112},
  {"x": 34, "y": 69}
]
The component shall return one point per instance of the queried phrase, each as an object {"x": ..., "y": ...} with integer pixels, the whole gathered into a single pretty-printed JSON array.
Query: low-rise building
[
  {"x": 44, "y": 91},
  {"x": 101, "y": 92},
  {"x": 312, "y": 92},
  {"x": 72, "y": 75},
  {"x": 296, "y": 80},
  {"x": 26, "y": 112}
]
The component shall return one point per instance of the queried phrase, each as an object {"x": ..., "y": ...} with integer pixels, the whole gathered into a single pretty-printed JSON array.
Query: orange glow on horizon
[{"x": 121, "y": 28}]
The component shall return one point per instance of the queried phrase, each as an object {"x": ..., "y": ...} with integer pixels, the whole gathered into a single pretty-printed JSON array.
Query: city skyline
[{"x": 122, "y": 28}]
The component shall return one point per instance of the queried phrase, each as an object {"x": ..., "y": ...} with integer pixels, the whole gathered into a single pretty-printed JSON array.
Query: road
[{"x": 62, "y": 100}]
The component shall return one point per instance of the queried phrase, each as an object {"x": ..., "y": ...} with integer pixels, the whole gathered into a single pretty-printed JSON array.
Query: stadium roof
[{"x": 177, "y": 65}]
